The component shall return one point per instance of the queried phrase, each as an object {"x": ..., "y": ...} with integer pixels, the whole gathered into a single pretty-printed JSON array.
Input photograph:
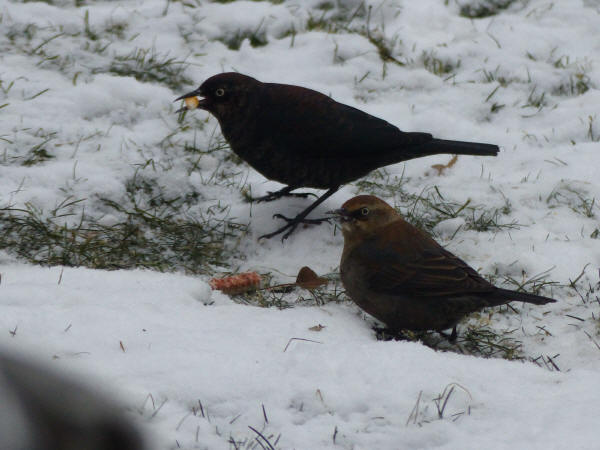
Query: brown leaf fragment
[
  {"x": 441, "y": 167},
  {"x": 318, "y": 327},
  {"x": 308, "y": 279}
]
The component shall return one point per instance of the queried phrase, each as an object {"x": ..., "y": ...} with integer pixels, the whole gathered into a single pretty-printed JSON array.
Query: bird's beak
[
  {"x": 341, "y": 215},
  {"x": 202, "y": 103}
]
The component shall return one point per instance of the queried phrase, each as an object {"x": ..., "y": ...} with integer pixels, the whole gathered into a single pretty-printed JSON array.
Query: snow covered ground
[{"x": 88, "y": 134}]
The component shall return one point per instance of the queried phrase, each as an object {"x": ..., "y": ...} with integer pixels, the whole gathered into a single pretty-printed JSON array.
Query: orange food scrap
[
  {"x": 236, "y": 284},
  {"x": 191, "y": 102}
]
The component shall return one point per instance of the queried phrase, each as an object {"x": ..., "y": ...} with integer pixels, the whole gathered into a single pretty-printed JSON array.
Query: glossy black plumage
[{"x": 302, "y": 138}]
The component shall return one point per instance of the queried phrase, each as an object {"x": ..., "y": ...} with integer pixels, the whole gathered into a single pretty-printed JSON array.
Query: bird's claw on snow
[
  {"x": 266, "y": 198},
  {"x": 278, "y": 194},
  {"x": 298, "y": 220},
  {"x": 451, "y": 337},
  {"x": 302, "y": 194},
  {"x": 291, "y": 225}
]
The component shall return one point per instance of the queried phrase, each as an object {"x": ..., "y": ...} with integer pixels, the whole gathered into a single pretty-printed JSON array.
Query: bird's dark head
[
  {"x": 223, "y": 94},
  {"x": 364, "y": 215}
]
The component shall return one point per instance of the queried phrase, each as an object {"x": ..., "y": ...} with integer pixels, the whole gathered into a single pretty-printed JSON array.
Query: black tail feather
[
  {"x": 524, "y": 297},
  {"x": 461, "y": 148}
]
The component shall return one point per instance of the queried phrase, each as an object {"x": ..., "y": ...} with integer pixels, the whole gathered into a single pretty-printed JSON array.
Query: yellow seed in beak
[{"x": 191, "y": 102}]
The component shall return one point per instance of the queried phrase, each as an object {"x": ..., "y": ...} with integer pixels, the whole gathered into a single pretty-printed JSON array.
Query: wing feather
[
  {"x": 316, "y": 122},
  {"x": 398, "y": 267}
]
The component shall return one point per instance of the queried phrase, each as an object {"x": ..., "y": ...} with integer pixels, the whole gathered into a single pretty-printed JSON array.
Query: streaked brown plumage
[
  {"x": 302, "y": 138},
  {"x": 400, "y": 275}
]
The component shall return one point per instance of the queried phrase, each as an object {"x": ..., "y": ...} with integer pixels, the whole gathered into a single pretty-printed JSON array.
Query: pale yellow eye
[
  {"x": 364, "y": 211},
  {"x": 220, "y": 92}
]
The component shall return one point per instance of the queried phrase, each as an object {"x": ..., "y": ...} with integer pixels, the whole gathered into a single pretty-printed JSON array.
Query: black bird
[{"x": 302, "y": 138}]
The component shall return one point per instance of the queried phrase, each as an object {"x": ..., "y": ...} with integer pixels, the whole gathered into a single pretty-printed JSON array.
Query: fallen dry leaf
[
  {"x": 308, "y": 279},
  {"x": 317, "y": 327},
  {"x": 441, "y": 167}
]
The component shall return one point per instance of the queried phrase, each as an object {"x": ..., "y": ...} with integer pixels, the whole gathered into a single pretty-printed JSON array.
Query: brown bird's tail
[
  {"x": 524, "y": 297},
  {"x": 460, "y": 148}
]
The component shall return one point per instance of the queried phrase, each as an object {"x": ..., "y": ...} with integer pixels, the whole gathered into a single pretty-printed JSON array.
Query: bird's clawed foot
[
  {"x": 285, "y": 192},
  {"x": 292, "y": 224},
  {"x": 451, "y": 337},
  {"x": 387, "y": 334},
  {"x": 298, "y": 220}
]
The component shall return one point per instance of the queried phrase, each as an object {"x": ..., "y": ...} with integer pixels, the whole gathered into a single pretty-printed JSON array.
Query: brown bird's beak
[
  {"x": 201, "y": 103},
  {"x": 341, "y": 215}
]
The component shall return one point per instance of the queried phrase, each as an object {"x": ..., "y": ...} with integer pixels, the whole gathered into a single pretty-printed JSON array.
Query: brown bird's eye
[
  {"x": 364, "y": 211},
  {"x": 220, "y": 92}
]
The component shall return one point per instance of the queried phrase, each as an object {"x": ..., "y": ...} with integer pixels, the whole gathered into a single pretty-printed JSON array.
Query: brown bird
[
  {"x": 401, "y": 276},
  {"x": 302, "y": 138}
]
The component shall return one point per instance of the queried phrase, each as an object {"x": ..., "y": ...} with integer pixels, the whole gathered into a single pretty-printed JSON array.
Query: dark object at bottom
[{"x": 42, "y": 410}]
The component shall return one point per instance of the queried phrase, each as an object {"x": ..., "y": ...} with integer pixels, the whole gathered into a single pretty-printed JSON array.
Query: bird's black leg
[
  {"x": 300, "y": 218},
  {"x": 452, "y": 337},
  {"x": 285, "y": 192}
]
